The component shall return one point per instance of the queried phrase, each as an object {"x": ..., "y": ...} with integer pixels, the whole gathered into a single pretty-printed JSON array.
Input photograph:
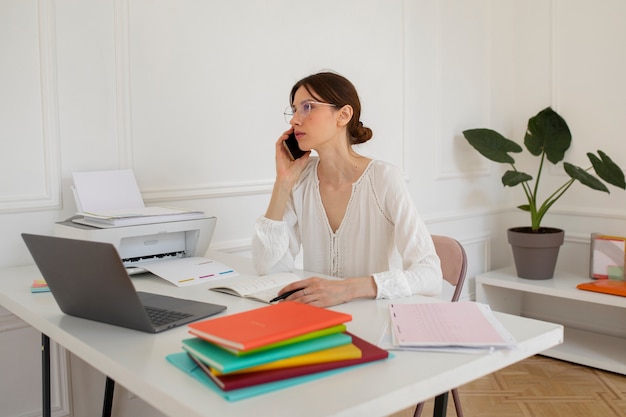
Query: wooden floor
[{"x": 540, "y": 387}]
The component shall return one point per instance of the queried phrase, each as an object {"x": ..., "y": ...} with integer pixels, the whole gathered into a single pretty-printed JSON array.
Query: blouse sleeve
[
  {"x": 275, "y": 244},
  {"x": 421, "y": 268},
  {"x": 269, "y": 246}
]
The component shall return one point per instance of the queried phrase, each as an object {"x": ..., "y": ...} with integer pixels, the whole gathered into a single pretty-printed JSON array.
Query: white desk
[{"x": 137, "y": 360}]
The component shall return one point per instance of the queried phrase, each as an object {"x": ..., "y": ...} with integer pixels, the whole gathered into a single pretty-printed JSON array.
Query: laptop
[{"x": 88, "y": 280}]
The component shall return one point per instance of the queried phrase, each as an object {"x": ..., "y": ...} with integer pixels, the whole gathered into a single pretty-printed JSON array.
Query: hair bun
[{"x": 361, "y": 134}]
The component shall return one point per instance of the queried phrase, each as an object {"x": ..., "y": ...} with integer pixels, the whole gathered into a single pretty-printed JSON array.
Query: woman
[{"x": 352, "y": 216}]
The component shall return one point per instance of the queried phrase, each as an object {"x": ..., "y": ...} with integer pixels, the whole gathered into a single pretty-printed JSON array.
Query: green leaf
[
  {"x": 584, "y": 177},
  {"x": 607, "y": 169},
  {"x": 512, "y": 178},
  {"x": 548, "y": 132},
  {"x": 492, "y": 145},
  {"x": 524, "y": 207}
]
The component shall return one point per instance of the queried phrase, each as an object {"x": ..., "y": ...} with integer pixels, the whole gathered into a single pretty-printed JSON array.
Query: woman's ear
[{"x": 344, "y": 115}]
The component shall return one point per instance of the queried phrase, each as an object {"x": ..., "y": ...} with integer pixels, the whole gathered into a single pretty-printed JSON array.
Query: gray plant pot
[{"x": 535, "y": 253}]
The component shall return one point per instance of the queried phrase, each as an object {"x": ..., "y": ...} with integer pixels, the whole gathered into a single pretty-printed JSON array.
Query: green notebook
[
  {"x": 182, "y": 361},
  {"x": 329, "y": 330},
  {"x": 226, "y": 362}
]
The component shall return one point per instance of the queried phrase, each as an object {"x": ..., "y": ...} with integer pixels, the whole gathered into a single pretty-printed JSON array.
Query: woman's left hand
[{"x": 323, "y": 292}]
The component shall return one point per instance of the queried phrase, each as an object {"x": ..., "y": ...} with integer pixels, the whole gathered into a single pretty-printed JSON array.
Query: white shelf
[
  {"x": 563, "y": 285},
  {"x": 602, "y": 349},
  {"x": 591, "y": 349}
]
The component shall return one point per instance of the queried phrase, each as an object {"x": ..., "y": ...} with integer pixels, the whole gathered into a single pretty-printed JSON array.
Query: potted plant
[{"x": 547, "y": 137}]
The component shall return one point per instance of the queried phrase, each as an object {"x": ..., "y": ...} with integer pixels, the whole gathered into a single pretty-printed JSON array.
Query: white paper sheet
[
  {"x": 107, "y": 191},
  {"x": 189, "y": 271}
]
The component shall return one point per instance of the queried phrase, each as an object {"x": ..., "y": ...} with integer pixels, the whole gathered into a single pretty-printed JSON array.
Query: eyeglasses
[{"x": 303, "y": 109}]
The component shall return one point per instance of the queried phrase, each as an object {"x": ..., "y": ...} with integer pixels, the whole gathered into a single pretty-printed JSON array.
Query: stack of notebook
[
  {"x": 39, "y": 285},
  {"x": 269, "y": 348}
]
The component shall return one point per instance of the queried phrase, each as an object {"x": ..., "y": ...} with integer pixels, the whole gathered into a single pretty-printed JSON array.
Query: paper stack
[
  {"x": 463, "y": 326},
  {"x": 265, "y": 349},
  {"x": 137, "y": 216},
  {"x": 107, "y": 199}
]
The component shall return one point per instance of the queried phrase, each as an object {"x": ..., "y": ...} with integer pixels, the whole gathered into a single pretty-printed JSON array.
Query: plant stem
[
  {"x": 549, "y": 202},
  {"x": 537, "y": 215},
  {"x": 554, "y": 197},
  {"x": 525, "y": 187}
]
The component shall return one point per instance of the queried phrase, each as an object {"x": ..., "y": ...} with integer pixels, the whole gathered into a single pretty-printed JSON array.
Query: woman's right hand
[
  {"x": 288, "y": 171},
  {"x": 287, "y": 174}
]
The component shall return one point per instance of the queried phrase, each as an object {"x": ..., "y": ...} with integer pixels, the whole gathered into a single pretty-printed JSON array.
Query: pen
[{"x": 285, "y": 295}]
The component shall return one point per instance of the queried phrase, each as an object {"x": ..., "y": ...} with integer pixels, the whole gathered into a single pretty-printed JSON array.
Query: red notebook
[
  {"x": 606, "y": 286},
  {"x": 259, "y": 327},
  {"x": 370, "y": 353}
]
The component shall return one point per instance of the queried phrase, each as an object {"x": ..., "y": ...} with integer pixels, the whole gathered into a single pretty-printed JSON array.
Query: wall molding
[
  {"x": 437, "y": 102},
  {"x": 554, "y": 52},
  {"x": 483, "y": 168},
  {"x": 461, "y": 214},
  {"x": 125, "y": 138},
  {"x": 578, "y": 238},
  {"x": 233, "y": 246},
  {"x": 405, "y": 160},
  {"x": 483, "y": 241},
  {"x": 60, "y": 382},
  {"x": 571, "y": 211},
  {"x": 125, "y": 128},
  {"x": 50, "y": 198},
  {"x": 245, "y": 188},
  {"x": 122, "y": 81},
  {"x": 589, "y": 212},
  {"x": 60, "y": 393}
]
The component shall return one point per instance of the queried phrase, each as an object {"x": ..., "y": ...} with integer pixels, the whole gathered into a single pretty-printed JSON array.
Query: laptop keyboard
[{"x": 159, "y": 316}]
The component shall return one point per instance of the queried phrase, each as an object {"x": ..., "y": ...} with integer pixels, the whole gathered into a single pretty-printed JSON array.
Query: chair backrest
[{"x": 453, "y": 262}]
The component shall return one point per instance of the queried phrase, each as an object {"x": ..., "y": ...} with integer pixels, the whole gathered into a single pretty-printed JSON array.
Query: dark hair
[{"x": 332, "y": 88}]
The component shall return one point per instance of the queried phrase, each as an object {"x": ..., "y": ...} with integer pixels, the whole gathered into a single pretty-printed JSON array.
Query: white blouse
[{"x": 381, "y": 235}]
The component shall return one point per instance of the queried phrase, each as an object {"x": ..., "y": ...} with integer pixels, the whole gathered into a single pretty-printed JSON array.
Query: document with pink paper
[{"x": 463, "y": 326}]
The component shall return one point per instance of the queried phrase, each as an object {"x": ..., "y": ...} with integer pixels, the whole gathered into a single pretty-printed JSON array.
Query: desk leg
[
  {"x": 441, "y": 405},
  {"x": 108, "y": 397},
  {"x": 45, "y": 376}
]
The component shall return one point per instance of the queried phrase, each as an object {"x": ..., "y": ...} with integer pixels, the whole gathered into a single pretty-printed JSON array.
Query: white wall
[{"x": 190, "y": 95}]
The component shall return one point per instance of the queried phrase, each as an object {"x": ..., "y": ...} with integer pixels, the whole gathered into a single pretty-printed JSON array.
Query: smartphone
[{"x": 291, "y": 144}]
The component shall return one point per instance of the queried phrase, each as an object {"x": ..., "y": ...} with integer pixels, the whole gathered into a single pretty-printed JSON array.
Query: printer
[
  {"x": 140, "y": 239},
  {"x": 144, "y": 243}
]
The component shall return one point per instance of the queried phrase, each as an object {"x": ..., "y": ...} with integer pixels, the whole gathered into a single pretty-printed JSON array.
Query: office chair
[{"x": 454, "y": 267}]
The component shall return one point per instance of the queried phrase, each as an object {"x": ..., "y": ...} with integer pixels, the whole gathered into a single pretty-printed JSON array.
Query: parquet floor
[{"x": 540, "y": 387}]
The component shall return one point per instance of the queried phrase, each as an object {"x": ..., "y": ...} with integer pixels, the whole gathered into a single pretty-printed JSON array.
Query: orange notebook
[
  {"x": 262, "y": 326},
  {"x": 606, "y": 286}
]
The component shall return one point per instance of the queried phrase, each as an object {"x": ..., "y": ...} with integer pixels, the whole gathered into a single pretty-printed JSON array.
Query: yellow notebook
[{"x": 339, "y": 353}]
